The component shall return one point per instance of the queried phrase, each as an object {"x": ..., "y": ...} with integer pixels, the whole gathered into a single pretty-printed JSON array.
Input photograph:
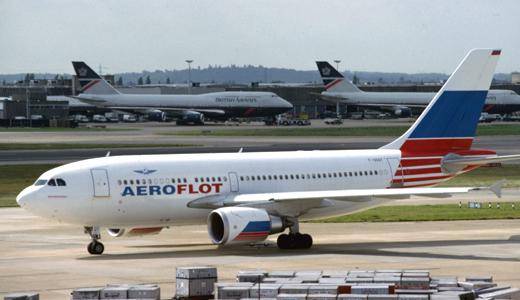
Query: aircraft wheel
[
  {"x": 95, "y": 248},
  {"x": 306, "y": 241},
  {"x": 283, "y": 241}
]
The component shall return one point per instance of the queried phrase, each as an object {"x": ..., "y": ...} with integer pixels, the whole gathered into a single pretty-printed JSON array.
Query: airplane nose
[
  {"x": 23, "y": 197},
  {"x": 286, "y": 103}
]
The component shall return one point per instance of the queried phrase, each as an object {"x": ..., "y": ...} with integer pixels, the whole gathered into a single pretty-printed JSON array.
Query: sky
[{"x": 366, "y": 35}]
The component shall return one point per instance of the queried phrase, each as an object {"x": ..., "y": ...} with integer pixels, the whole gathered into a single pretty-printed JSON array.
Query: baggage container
[
  {"x": 372, "y": 289},
  {"x": 308, "y": 278},
  {"x": 22, "y": 296},
  {"x": 388, "y": 280},
  {"x": 264, "y": 290},
  {"x": 479, "y": 278},
  {"x": 476, "y": 285},
  {"x": 308, "y": 273},
  {"x": 359, "y": 280},
  {"x": 144, "y": 292},
  {"x": 321, "y": 297},
  {"x": 86, "y": 293},
  {"x": 194, "y": 287},
  {"x": 444, "y": 281},
  {"x": 294, "y": 289},
  {"x": 388, "y": 274},
  {"x": 281, "y": 274},
  {"x": 250, "y": 276},
  {"x": 416, "y": 274},
  {"x": 114, "y": 292},
  {"x": 413, "y": 297},
  {"x": 323, "y": 289},
  {"x": 382, "y": 297},
  {"x": 233, "y": 292},
  {"x": 344, "y": 289},
  {"x": 415, "y": 283},
  {"x": 352, "y": 297},
  {"x": 365, "y": 274},
  {"x": 512, "y": 293},
  {"x": 292, "y": 296},
  {"x": 220, "y": 285},
  {"x": 332, "y": 280},
  {"x": 334, "y": 273},
  {"x": 196, "y": 272}
]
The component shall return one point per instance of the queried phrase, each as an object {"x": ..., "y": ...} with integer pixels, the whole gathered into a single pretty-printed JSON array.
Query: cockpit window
[
  {"x": 52, "y": 182},
  {"x": 60, "y": 182},
  {"x": 40, "y": 182}
]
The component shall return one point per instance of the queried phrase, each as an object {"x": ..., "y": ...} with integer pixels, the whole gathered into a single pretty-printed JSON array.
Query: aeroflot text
[{"x": 169, "y": 189}]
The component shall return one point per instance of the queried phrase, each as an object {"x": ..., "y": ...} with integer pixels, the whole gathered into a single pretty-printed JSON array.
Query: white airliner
[
  {"x": 192, "y": 108},
  {"x": 245, "y": 197},
  {"x": 400, "y": 104}
]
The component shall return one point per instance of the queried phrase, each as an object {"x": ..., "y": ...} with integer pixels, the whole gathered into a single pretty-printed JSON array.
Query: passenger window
[
  {"x": 270, "y": 177},
  {"x": 52, "y": 182},
  {"x": 137, "y": 181},
  {"x": 366, "y": 173},
  {"x": 219, "y": 179},
  {"x": 196, "y": 179},
  {"x": 371, "y": 173},
  {"x": 202, "y": 179},
  {"x": 207, "y": 179},
  {"x": 131, "y": 181},
  {"x": 184, "y": 180},
  {"x": 286, "y": 177},
  {"x": 275, "y": 177},
  {"x": 247, "y": 178},
  {"x": 225, "y": 179},
  {"x": 252, "y": 178},
  {"x": 375, "y": 172},
  {"x": 119, "y": 182},
  {"x": 40, "y": 182},
  {"x": 339, "y": 174},
  {"x": 297, "y": 176},
  {"x": 60, "y": 182},
  {"x": 349, "y": 174},
  {"x": 263, "y": 177},
  {"x": 125, "y": 182},
  {"x": 212, "y": 179},
  {"x": 241, "y": 178}
]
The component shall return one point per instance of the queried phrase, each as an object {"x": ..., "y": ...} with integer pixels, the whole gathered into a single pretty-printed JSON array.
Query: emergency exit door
[
  {"x": 100, "y": 182},
  {"x": 233, "y": 182}
]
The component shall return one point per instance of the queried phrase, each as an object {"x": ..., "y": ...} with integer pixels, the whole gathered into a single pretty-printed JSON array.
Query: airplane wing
[
  {"x": 217, "y": 201},
  {"x": 172, "y": 109}
]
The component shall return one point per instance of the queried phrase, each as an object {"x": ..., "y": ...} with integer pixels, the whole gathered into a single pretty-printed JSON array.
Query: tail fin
[
  {"x": 449, "y": 122},
  {"x": 333, "y": 80},
  {"x": 90, "y": 81}
]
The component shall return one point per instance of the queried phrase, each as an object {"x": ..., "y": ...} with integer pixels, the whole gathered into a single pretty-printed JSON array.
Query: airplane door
[
  {"x": 100, "y": 182},
  {"x": 233, "y": 181},
  {"x": 396, "y": 180}
]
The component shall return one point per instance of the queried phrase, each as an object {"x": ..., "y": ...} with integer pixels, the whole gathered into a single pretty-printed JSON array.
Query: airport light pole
[
  {"x": 189, "y": 61},
  {"x": 337, "y": 61}
]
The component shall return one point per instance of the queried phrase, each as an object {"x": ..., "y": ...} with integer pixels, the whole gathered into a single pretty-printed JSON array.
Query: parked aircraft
[
  {"x": 192, "y": 108},
  {"x": 245, "y": 197},
  {"x": 400, "y": 104}
]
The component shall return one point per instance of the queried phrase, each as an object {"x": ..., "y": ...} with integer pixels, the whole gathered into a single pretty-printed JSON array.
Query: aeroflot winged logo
[{"x": 145, "y": 171}]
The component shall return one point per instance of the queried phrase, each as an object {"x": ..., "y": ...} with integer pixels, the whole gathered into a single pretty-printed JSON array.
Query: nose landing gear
[{"x": 95, "y": 247}]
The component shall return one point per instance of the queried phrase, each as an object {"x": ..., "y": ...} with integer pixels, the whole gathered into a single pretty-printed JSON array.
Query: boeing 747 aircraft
[
  {"x": 191, "y": 108},
  {"x": 400, "y": 104},
  {"x": 245, "y": 197}
]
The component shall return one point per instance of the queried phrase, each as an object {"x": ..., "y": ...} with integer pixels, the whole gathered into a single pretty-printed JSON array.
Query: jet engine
[
  {"x": 402, "y": 111},
  {"x": 191, "y": 117},
  {"x": 119, "y": 232},
  {"x": 241, "y": 225},
  {"x": 156, "y": 115}
]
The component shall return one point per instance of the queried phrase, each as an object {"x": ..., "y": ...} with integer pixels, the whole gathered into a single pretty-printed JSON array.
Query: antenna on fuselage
[{"x": 108, "y": 154}]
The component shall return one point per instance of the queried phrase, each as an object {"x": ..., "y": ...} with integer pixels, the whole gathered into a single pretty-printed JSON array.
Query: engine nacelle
[
  {"x": 402, "y": 112},
  {"x": 156, "y": 115},
  {"x": 240, "y": 225},
  {"x": 119, "y": 232}
]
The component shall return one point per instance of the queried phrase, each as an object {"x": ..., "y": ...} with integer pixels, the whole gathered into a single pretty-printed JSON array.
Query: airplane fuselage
[
  {"x": 126, "y": 191},
  {"x": 232, "y": 104},
  {"x": 497, "y": 101}
]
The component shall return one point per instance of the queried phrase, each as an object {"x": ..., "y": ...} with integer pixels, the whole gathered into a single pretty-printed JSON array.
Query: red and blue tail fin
[
  {"x": 450, "y": 121},
  {"x": 90, "y": 81},
  {"x": 447, "y": 126},
  {"x": 333, "y": 80}
]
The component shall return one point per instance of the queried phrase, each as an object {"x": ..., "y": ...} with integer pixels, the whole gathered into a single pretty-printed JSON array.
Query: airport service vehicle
[
  {"x": 333, "y": 121},
  {"x": 219, "y": 106},
  {"x": 400, "y": 104},
  {"x": 99, "y": 119},
  {"x": 245, "y": 197}
]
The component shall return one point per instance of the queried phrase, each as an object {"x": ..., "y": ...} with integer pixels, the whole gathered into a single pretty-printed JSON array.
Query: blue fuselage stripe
[
  {"x": 455, "y": 114},
  {"x": 257, "y": 226}
]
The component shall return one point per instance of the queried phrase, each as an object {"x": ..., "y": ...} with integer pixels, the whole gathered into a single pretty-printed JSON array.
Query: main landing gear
[
  {"x": 95, "y": 247},
  {"x": 295, "y": 239}
]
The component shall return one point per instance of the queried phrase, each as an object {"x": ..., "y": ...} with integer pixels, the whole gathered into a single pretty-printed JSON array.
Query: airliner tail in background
[
  {"x": 91, "y": 82},
  {"x": 333, "y": 80}
]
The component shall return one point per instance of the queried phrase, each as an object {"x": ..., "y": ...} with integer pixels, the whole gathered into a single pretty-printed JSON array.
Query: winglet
[{"x": 496, "y": 187}]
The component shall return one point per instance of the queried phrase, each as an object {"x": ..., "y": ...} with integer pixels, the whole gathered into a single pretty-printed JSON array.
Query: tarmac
[{"x": 51, "y": 258}]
